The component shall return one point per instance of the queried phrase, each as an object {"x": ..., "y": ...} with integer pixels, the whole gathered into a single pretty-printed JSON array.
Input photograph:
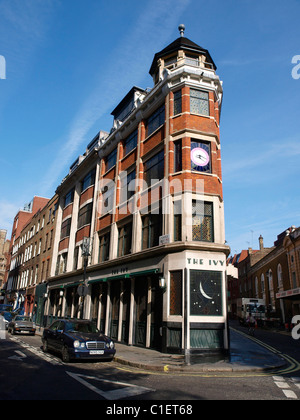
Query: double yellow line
[{"x": 294, "y": 366}]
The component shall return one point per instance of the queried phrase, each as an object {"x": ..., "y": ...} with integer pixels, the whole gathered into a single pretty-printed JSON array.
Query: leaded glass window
[
  {"x": 176, "y": 292},
  {"x": 199, "y": 102},
  {"x": 202, "y": 224},
  {"x": 206, "y": 293}
]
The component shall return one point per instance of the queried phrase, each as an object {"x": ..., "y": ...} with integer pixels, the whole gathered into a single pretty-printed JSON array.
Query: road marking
[
  {"x": 20, "y": 357},
  {"x": 124, "y": 391},
  {"x": 35, "y": 351},
  {"x": 290, "y": 394},
  {"x": 280, "y": 381}
]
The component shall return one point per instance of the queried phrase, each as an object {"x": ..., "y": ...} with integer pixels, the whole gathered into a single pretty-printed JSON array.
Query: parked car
[
  {"x": 22, "y": 324},
  {"x": 5, "y": 308},
  {"x": 7, "y": 318},
  {"x": 77, "y": 339}
]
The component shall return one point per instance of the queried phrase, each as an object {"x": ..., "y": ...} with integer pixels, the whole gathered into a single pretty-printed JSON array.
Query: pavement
[{"x": 245, "y": 355}]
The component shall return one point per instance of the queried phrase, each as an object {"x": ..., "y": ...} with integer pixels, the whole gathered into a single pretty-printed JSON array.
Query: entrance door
[
  {"x": 156, "y": 314},
  {"x": 126, "y": 310},
  {"x": 140, "y": 293},
  {"x": 115, "y": 302}
]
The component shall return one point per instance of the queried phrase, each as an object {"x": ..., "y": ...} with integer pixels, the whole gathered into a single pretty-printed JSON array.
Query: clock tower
[{"x": 193, "y": 149}]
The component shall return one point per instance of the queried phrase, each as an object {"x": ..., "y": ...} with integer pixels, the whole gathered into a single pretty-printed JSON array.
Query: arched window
[
  {"x": 256, "y": 287},
  {"x": 279, "y": 277},
  {"x": 262, "y": 283}
]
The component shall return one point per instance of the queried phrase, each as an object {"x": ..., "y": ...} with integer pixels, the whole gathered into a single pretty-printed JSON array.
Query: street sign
[{"x": 82, "y": 290}]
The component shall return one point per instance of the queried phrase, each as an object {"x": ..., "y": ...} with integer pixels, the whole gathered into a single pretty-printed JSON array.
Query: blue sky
[{"x": 70, "y": 62}]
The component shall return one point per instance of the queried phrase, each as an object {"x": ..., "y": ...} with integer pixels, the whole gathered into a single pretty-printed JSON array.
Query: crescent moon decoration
[{"x": 203, "y": 293}]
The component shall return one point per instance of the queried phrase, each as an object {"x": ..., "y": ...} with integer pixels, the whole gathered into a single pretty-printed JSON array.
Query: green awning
[{"x": 126, "y": 276}]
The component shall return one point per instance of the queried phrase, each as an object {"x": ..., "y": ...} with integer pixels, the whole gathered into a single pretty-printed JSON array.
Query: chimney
[{"x": 261, "y": 243}]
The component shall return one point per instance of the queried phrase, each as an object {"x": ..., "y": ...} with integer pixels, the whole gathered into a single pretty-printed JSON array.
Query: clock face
[{"x": 199, "y": 157}]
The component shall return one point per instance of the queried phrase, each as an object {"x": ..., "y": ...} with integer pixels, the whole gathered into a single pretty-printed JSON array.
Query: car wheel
[
  {"x": 45, "y": 346},
  {"x": 65, "y": 355}
]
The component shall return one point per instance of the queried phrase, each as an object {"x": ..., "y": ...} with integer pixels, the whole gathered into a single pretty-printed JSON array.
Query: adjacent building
[
  {"x": 271, "y": 274},
  {"x": 4, "y": 249},
  {"x": 31, "y": 257}
]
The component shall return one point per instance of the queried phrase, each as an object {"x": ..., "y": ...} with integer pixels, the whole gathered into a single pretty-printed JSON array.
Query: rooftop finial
[{"x": 181, "y": 29}]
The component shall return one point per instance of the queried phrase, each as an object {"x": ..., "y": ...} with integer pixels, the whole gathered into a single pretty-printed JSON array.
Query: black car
[{"x": 77, "y": 339}]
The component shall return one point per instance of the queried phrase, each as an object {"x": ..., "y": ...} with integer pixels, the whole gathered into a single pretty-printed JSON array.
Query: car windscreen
[
  {"x": 83, "y": 327},
  {"x": 22, "y": 318}
]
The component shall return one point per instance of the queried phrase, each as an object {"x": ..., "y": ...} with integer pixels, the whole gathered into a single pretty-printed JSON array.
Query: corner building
[{"x": 148, "y": 195}]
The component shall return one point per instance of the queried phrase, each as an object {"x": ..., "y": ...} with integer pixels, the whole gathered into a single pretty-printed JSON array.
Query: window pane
[
  {"x": 156, "y": 120},
  {"x": 199, "y": 103},
  {"x": 206, "y": 292},
  {"x": 202, "y": 221},
  {"x": 177, "y": 156},
  {"x": 131, "y": 142},
  {"x": 176, "y": 293},
  {"x": 177, "y": 102},
  {"x": 154, "y": 168},
  {"x": 89, "y": 180},
  {"x": 85, "y": 215},
  {"x": 111, "y": 160}
]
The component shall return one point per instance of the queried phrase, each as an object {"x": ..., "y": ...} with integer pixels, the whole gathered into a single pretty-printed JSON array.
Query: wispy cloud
[
  {"x": 7, "y": 212},
  {"x": 262, "y": 157},
  {"x": 153, "y": 26}
]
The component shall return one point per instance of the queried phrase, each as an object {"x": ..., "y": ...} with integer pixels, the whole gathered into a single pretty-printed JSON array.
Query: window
[
  {"x": 69, "y": 198},
  {"x": 151, "y": 230},
  {"x": 75, "y": 260},
  {"x": 177, "y": 221},
  {"x": 65, "y": 229},
  {"x": 61, "y": 266},
  {"x": 206, "y": 293},
  {"x": 111, "y": 160},
  {"x": 199, "y": 102},
  {"x": 154, "y": 168},
  {"x": 130, "y": 143},
  {"x": 156, "y": 120},
  {"x": 108, "y": 193},
  {"x": 127, "y": 186},
  {"x": 104, "y": 242},
  {"x": 200, "y": 156},
  {"x": 125, "y": 238},
  {"x": 85, "y": 215},
  {"x": 202, "y": 224},
  {"x": 176, "y": 293},
  {"x": 178, "y": 156},
  {"x": 279, "y": 276},
  {"x": 177, "y": 102},
  {"x": 89, "y": 180}
]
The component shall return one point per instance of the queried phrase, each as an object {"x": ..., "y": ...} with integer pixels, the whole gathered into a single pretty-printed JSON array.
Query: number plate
[{"x": 94, "y": 352}]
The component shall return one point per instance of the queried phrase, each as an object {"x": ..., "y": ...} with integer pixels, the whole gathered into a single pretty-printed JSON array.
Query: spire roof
[{"x": 181, "y": 43}]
